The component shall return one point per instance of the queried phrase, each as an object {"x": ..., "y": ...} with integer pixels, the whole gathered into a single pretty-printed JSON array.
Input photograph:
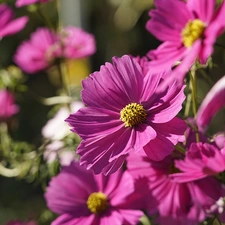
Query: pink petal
[
  {"x": 69, "y": 219},
  {"x": 91, "y": 121},
  {"x": 131, "y": 217},
  {"x": 163, "y": 19},
  {"x": 166, "y": 55},
  {"x": 122, "y": 74},
  {"x": 14, "y": 26},
  {"x": 213, "y": 102},
  {"x": 118, "y": 195},
  {"x": 203, "y": 9},
  {"x": 159, "y": 148}
]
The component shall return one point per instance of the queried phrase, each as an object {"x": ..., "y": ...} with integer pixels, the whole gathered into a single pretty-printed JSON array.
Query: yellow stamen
[
  {"x": 193, "y": 30},
  {"x": 97, "y": 202},
  {"x": 133, "y": 114}
]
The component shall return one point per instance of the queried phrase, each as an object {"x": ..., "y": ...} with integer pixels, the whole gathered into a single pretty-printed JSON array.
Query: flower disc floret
[
  {"x": 193, "y": 30},
  {"x": 133, "y": 114},
  {"x": 97, "y": 202}
]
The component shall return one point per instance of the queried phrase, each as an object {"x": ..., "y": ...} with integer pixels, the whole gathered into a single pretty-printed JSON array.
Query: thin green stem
[
  {"x": 44, "y": 18},
  {"x": 62, "y": 71},
  {"x": 220, "y": 223},
  {"x": 193, "y": 81},
  {"x": 180, "y": 148},
  {"x": 188, "y": 103},
  {"x": 6, "y": 172},
  {"x": 58, "y": 8},
  {"x": 194, "y": 91}
]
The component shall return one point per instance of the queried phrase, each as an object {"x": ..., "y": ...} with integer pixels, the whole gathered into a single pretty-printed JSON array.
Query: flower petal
[
  {"x": 203, "y": 9},
  {"x": 68, "y": 219},
  {"x": 213, "y": 102},
  {"x": 14, "y": 26},
  {"x": 114, "y": 82}
]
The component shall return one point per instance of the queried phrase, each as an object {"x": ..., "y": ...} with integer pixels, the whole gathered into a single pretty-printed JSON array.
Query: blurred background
[{"x": 119, "y": 28}]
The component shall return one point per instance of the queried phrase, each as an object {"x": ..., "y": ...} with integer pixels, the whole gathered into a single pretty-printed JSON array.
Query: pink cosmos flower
[
  {"x": 45, "y": 46},
  {"x": 188, "y": 32},
  {"x": 17, "y": 222},
  {"x": 178, "y": 203},
  {"x": 201, "y": 160},
  {"x": 37, "y": 53},
  {"x": 125, "y": 113},
  {"x": 7, "y": 105},
  {"x": 77, "y": 43},
  {"x": 213, "y": 102},
  {"x": 80, "y": 197},
  {"x": 20, "y": 3},
  {"x": 9, "y": 25}
]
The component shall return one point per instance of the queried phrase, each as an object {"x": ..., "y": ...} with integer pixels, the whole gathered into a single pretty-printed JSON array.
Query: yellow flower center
[
  {"x": 193, "y": 30},
  {"x": 97, "y": 202},
  {"x": 133, "y": 114}
]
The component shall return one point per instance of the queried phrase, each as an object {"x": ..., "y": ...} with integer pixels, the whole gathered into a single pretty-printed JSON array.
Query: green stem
[
  {"x": 58, "y": 8},
  {"x": 44, "y": 18},
  {"x": 194, "y": 97},
  {"x": 180, "y": 148},
  {"x": 220, "y": 223},
  {"x": 194, "y": 91},
  {"x": 62, "y": 71},
  {"x": 188, "y": 104},
  {"x": 6, "y": 172}
]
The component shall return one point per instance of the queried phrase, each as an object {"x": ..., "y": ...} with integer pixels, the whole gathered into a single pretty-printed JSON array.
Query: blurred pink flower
[
  {"x": 20, "y": 3},
  {"x": 178, "y": 203},
  {"x": 212, "y": 103},
  {"x": 77, "y": 43},
  {"x": 7, "y": 105},
  {"x": 201, "y": 160},
  {"x": 9, "y": 25},
  {"x": 125, "y": 113},
  {"x": 80, "y": 197},
  {"x": 45, "y": 46},
  {"x": 188, "y": 32},
  {"x": 39, "y": 52}
]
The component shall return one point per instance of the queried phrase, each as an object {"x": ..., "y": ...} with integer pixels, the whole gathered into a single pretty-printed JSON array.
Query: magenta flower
[
  {"x": 77, "y": 43},
  {"x": 9, "y": 25},
  {"x": 45, "y": 46},
  {"x": 178, "y": 203},
  {"x": 125, "y": 113},
  {"x": 7, "y": 105},
  {"x": 39, "y": 52},
  {"x": 213, "y": 102},
  {"x": 20, "y": 3},
  {"x": 188, "y": 32},
  {"x": 80, "y": 197},
  {"x": 201, "y": 160}
]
